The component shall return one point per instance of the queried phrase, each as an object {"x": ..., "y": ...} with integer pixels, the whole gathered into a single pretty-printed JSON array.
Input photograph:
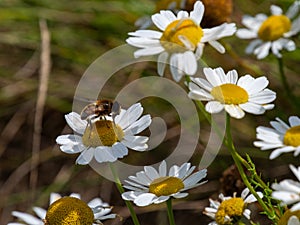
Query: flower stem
[
  {"x": 121, "y": 190},
  {"x": 238, "y": 162},
  {"x": 170, "y": 212}
]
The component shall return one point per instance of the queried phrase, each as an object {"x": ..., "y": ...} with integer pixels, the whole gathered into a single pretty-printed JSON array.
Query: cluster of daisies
[{"x": 179, "y": 42}]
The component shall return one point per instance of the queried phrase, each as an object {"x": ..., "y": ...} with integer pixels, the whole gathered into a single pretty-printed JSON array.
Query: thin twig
[
  {"x": 13, "y": 126},
  {"x": 41, "y": 99}
]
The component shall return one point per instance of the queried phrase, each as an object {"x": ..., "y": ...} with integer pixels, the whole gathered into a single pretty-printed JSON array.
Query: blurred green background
[{"x": 81, "y": 31}]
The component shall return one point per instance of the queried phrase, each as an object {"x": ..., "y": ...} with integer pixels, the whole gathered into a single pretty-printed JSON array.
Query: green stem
[
  {"x": 121, "y": 190},
  {"x": 170, "y": 212},
  {"x": 238, "y": 159}
]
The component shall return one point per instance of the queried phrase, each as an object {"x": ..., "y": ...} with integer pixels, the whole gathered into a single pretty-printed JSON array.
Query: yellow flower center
[
  {"x": 230, "y": 94},
  {"x": 287, "y": 214},
  {"x": 181, "y": 29},
  {"x": 233, "y": 207},
  {"x": 292, "y": 136},
  {"x": 102, "y": 133},
  {"x": 165, "y": 186},
  {"x": 69, "y": 211},
  {"x": 274, "y": 27}
]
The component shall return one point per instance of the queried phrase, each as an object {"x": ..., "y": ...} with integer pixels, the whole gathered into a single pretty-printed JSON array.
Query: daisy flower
[
  {"x": 288, "y": 190},
  {"x": 181, "y": 40},
  {"x": 226, "y": 91},
  {"x": 289, "y": 218},
  {"x": 104, "y": 139},
  {"x": 271, "y": 33},
  {"x": 230, "y": 209},
  {"x": 96, "y": 210},
  {"x": 152, "y": 186},
  {"x": 216, "y": 11},
  {"x": 281, "y": 137},
  {"x": 293, "y": 220}
]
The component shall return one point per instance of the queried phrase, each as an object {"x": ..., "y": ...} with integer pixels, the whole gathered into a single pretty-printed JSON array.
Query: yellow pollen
[
  {"x": 102, "y": 133},
  {"x": 185, "y": 29},
  {"x": 287, "y": 214},
  {"x": 292, "y": 136},
  {"x": 165, "y": 186},
  {"x": 274, "y": 27},
  {"x": 69, "y": 211},
  {"x": 233, "y": 207},
  {"x": 230, "y": 94}
]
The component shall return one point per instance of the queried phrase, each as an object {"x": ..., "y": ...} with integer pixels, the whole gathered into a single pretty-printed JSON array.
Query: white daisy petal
[
  {"x": 40, "y": 212},
  {"x": 160, "y": 21},
  {"x": 195, "y": 178},
  {"x": 104, "y": 154},
  {"x": 143, "y": 42},
  {"x": 200, "y": 95},
  {"x": 163, "y": 169},
  {"x": 27, "y": 218},
  {"x": 180, "y": 195},
  {"x": 293, "y": 10},
  {"x": 182, "y": 15},
  {"x": 213, "y": 210},
  {"x": 214, "y": 107},
  {"x": 213, "y": 77},
  {"x": 294, "y": 121},
  {"x": 190, "y": 65},
  {"x": 146, "y": 34},
  {"x": 234, "y": 111},
  {"x": 148, "y": 51},
  {"x": 274, "y": 138},
  {"x": 252, "y": 46},
  {"x": 277, "y": 152},
  {"x": 215, "y": 44},
  {"x": 293, "y": 220},
  {"x": 275, "y": 10},
  {"x": 85, "y": 157},
  {"x": 161, "y": 199},
  {"x": 150, "y": 177},
  {"x": 161, "y": 63},
  {"x": 263, "y": 50},
  {"x": 75, "y": 122},
  {"x": 177, "y": 66},
  {"x": 144, "y": 199},
  {"x": 138, "y": 126},
  {"x": 253, "y": 108},
  {"x": 54, "y": 197},
  {"x": 198, "y": 12},
  {"x": 246, "y": 34},
  {"x": 151, "y": 172}
]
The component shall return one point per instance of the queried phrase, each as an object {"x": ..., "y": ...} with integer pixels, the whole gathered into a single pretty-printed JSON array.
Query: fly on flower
[
  {"x": 106, "y": 139},
  {"x": 100, "y": 109}
]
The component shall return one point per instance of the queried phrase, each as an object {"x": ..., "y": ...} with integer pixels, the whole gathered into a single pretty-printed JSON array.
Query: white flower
[
  {"x": 288, "y": 191},
  {"x": 106, "y": 140},
  {"x": 282, "y": 137},
  {"x": 271, "y": 33},
  {"x": 226, "y": 91},
  {"x": 181, "y": 40},
  {"x": 293, "y": 220},
  {"x": 152, "y": 186},
  {"x": 230, "y": 208},
  {"x": 101, "y": 211}
]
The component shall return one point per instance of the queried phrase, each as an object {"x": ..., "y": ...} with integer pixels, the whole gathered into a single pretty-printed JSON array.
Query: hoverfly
[{"x": 100, "y": 109}]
